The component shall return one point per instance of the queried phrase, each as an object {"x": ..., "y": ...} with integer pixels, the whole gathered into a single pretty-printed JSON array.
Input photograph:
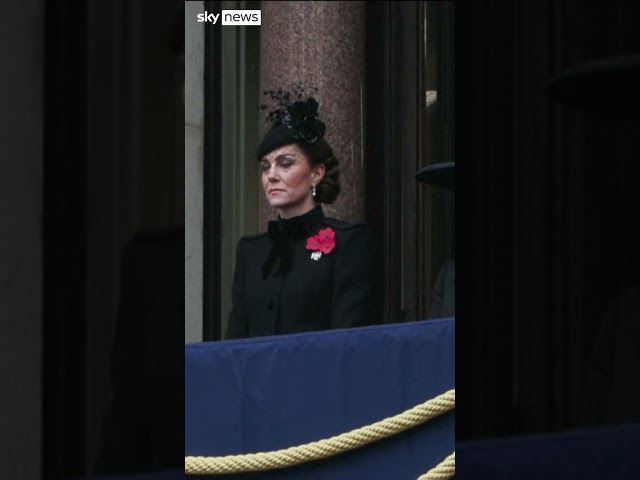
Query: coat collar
[{"x": 284, "y": 232}]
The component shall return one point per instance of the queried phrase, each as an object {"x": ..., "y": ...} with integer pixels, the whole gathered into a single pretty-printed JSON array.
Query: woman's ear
[{"x": 317, "y": 173}]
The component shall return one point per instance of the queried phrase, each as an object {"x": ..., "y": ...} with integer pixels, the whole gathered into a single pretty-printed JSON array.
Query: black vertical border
[
  {"x": 381, "y": 117},
  {"x": 63, "y": 432},
  {"x": 484, "y": 182},
  {"x": 212, "y": 222}
]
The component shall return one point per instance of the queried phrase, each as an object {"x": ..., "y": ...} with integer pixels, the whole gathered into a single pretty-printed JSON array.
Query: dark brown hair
[{"x": 321, "y": 153}]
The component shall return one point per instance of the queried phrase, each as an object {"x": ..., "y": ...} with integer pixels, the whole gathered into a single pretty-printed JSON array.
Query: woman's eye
[{"x": 265, "y": 166}]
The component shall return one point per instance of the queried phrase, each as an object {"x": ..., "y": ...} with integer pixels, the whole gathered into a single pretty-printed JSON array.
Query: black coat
[
  {"x": 278, "y": 288},
  {"x": 144, "y": 427},
  {"x": 443, "y": 303}
]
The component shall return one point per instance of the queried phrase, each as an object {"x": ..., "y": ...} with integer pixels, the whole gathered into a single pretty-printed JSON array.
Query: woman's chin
[{"x": 277, "y": 204}]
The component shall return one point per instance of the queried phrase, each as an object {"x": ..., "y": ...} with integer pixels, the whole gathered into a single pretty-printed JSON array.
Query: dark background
[
  {"x": 547, "y": 211},
  {"x": 113, "y": 168}
]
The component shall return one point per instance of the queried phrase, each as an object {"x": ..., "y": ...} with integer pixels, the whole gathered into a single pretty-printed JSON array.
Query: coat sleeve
[
  {"x": 238, "y": 324},
  {"x": 354, "y": 280}
]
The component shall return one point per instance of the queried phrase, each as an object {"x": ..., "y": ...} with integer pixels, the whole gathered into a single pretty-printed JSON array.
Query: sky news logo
[{"x": 232, "y": 17}]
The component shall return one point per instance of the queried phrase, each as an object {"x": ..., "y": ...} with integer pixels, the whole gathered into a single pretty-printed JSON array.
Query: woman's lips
[{"x": 275, "y": 190}]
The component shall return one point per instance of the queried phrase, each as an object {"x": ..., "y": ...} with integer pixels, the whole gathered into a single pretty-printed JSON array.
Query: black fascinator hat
[{"x": 295, "y": 120}]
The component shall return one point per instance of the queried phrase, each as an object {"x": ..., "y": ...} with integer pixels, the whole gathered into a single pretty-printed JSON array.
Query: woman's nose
[{"x": 272, "y": 173}]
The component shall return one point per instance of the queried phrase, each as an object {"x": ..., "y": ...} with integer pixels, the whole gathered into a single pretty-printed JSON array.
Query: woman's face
[{"x": 287, "y": 178}]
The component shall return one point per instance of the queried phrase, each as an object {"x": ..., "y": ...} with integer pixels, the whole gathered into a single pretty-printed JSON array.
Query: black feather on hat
[{"x": 295, "y": 121}]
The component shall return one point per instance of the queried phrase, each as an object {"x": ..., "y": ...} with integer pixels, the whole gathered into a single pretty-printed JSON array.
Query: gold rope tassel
[{"x": 254, "y": 462}]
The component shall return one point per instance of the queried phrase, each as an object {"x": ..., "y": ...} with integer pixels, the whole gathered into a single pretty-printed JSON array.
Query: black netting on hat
[{"x": 294, "y": 119}]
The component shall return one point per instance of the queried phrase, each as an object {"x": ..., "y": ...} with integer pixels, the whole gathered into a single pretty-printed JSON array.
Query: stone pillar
[
  {"x": 194, "y": 171},
  {"x": 321, "y": 43}
]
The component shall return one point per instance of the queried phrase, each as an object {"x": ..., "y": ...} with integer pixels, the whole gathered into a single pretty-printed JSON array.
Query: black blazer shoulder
[
  {"x": 257, "y": 243},
  {"x": 328, "y": 221},
  {"x": 342, "y": 225}
]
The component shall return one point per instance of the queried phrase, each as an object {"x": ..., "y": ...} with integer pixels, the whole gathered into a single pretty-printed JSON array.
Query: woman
[{"x": 307, "y": 272}]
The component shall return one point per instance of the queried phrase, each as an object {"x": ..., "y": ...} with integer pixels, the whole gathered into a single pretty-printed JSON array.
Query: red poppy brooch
[{"x": 321, "y": 243}]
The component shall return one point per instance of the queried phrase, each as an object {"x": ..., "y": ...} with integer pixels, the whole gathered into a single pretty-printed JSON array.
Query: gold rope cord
[
  {"x": 443, "y": 471},
  {"x": 325, "y": 448}
]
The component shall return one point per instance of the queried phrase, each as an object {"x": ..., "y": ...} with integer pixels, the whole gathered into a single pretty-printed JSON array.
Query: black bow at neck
[{"x": 283, "y": 233}]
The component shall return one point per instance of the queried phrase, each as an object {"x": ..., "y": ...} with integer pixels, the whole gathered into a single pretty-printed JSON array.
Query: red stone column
[{"x": 321, "y": 43}]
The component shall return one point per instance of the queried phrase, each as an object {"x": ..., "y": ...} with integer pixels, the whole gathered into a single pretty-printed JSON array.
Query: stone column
[
  {"x": 194, "y": 171},
  {"x": 321, "y": 43}
]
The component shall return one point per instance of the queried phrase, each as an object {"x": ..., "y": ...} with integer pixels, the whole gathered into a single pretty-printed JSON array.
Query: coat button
[{"x": 270, "y": 304}]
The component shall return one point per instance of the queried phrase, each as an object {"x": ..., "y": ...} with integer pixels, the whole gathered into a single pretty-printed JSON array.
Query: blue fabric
[
  {"x": 604, "y": 453},
  {"x": 263, "y": 394}
]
